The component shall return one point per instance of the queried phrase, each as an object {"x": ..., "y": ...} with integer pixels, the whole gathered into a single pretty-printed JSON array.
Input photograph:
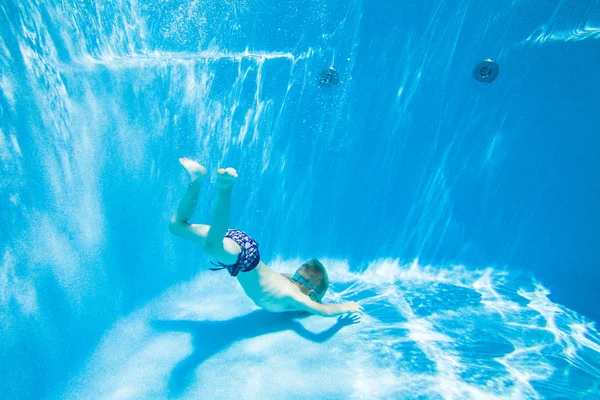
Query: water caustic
[
  {"x": 99, "y": 99},
  {"x": 434, "y": 333}
]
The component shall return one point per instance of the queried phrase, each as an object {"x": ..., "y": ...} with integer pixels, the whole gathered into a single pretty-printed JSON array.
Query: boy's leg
[
  {"x": 211, "y": 238},
  {"x": 190, "y": 199},
  {"x": 222, "y": 210},
  {"x": 215, "y": 242},
  {"x": 187, "y": 205}
]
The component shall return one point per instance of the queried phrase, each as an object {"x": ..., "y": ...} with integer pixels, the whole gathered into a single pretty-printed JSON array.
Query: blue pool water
[{"x": 461, "y": 215}]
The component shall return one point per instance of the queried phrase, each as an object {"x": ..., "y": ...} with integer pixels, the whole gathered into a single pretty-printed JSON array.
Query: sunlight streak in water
[
  {"x": 135, "y": 60},
  {"x": 542, "y": 36}
]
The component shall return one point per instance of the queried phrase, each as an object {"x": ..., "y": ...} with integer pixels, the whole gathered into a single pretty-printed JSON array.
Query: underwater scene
[{"x": 438, "y": 158}]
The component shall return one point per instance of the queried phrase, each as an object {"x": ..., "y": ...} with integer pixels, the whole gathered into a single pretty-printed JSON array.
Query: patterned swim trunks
[{"x": 248, "y": 259}]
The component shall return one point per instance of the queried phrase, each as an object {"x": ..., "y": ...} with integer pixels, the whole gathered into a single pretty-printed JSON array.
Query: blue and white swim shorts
[{"x": 248, "y": 259}]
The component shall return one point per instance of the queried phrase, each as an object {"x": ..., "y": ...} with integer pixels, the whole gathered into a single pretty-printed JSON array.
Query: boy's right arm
[{"x": 300, "y": 301}]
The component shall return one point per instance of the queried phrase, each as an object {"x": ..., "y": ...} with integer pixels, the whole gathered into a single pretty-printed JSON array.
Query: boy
[{"x": 238, "y": 253}]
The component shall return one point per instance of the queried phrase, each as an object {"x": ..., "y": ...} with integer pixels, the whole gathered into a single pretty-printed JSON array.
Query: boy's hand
[{"x": 354, "y": 307}]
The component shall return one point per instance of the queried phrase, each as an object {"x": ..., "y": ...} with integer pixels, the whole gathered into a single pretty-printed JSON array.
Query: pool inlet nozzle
[
  {"x": 486, "y": 71},
  {"x": 329, "y": 77}
]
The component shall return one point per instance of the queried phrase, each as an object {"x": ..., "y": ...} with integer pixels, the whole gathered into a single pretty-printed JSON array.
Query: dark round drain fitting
[
  {"x": 486, "y": 71},
  {"x": 329, "y": 77}
]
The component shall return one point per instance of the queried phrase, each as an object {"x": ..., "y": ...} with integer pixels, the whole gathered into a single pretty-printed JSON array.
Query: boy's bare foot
[
  {"x": 194, "y": 170},
  {"x": 225, "y": 178}
]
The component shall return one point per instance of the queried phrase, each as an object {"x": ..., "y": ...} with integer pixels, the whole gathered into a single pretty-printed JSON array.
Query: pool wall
[{"x": 407, "y": 157}]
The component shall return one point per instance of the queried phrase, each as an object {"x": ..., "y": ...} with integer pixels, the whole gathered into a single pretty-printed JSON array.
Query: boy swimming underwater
[{"x": 238, "y": 253}]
